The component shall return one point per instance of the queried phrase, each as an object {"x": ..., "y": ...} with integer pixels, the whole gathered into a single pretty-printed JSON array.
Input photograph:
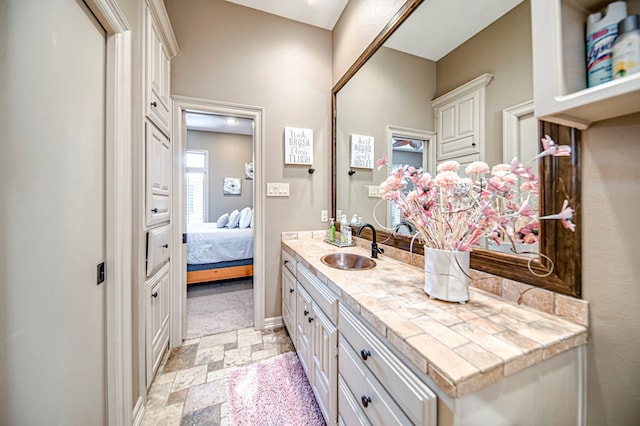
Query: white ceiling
[
  {"x": 319, "y": 13},
  {"x": 439, "y": 26}
]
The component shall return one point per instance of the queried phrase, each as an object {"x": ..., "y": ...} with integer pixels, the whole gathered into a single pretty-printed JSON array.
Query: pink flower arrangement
[{"x": 451, "y": 212}]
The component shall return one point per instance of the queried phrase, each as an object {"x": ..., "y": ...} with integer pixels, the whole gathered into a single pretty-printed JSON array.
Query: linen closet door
[{"x": 52, "y": 181}]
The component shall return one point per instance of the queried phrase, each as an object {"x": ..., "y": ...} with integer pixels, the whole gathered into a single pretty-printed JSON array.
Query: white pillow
[
  {"x": 245, "y": 218},
  {"x": 234, "y": 218},
  {"x": 253, "y": 216},
  {"x": 222, "y": 221}
]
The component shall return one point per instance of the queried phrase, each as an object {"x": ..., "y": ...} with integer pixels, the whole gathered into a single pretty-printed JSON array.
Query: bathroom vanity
[{"x": 378, "y": 350}]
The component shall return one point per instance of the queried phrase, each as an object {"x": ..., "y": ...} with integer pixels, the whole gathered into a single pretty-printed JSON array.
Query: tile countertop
[{"x": 462, "y": 347}]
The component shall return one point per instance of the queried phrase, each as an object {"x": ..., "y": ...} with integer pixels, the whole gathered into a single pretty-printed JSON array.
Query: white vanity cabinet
[
  {"x": 289, "y": 294},
  {"x": 320, "y": 336},
  {"x": 559, "y": 68},
  {"x": 310, "y": 313},
  {"x": 384, "y": 388}
]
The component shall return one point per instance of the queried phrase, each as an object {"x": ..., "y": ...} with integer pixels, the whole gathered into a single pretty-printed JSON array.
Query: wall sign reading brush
[{"x": 298, "y": 146}]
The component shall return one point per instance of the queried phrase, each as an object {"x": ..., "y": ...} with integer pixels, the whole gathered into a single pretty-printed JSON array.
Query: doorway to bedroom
[{"x": 219, "y": 216}]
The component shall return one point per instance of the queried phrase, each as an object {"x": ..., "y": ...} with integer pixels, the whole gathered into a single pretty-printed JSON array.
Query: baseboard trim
[{"x": 273, "y": 322}]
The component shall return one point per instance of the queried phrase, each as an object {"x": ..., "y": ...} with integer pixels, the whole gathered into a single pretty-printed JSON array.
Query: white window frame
[{"x": 205, "y": 188}]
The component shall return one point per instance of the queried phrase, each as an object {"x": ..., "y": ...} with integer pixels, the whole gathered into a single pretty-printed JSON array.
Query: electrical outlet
[
  {"x": 324, "y": 216},
  {"x": 374, "y": 191},
  {"x": 338, "y": 215}
]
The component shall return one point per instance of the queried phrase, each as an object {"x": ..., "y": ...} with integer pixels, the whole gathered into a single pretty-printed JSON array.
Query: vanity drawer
[
  {"x": 324, "y": 298},
  {"x": 409, "y": 391},
  {"x": 375, "y": 402},
  {"x": 289, "y": 262},
  {"x": 158, "y": 247},
  {"x": 350, "y": 412}
]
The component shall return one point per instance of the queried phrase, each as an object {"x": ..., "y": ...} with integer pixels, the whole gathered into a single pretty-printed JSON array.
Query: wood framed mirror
[{"x": 559, "y": 269}]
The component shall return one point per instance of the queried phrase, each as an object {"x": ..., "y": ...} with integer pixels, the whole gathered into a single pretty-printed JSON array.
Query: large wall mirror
[{"x": 385, "y": 104}]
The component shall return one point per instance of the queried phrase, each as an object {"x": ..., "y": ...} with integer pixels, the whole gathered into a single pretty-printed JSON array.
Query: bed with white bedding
[{"x": 218, "y": 253}]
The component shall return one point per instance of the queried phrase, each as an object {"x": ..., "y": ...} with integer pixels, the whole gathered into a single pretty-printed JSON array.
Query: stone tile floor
[{"x": 189, "y": 388}]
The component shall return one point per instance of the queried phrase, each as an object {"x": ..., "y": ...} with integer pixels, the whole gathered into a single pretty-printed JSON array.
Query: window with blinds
[{"x": 196, "y": 165}]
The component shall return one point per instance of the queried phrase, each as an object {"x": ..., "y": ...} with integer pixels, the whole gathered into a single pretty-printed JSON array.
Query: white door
[{"x": 52, "y": 220}]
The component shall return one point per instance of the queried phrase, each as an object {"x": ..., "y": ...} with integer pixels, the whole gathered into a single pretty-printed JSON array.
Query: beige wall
[
  {"x": 611, "y": 194},
  {"x": 610, "y": 268},
  {"x": 227, "y": 154},
  {"x": 240, "y": 55},
  {"x": 504, "y": 50},
  {"x": 392, "y": 88},
  {"x": 359, "y": 24}
]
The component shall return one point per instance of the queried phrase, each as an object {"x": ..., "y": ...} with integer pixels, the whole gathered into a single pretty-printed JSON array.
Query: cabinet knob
[
  {"x": 365, "y": 400},
  {"x": 364, "y": 354},
  {"x": 154, "y": 294},
  {"x": 286, "y": 261},
  {"x": 154, "y": 104},
  {"x": 306, "y": 312},
  {"x": 310, "y": 319},
  {"x": 473, "y": 144},
  {"x": 291, "y": 290},
  {"x": 165, "y": 246},
  {"x": 154, "y": 210}
]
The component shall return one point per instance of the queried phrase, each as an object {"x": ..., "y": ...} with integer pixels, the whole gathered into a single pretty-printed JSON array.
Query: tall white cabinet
[
  {"x": 159, "y": 45},
  {"x": 460, "y": 122}
]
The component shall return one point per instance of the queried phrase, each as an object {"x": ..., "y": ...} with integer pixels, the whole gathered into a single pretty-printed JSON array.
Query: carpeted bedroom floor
[{"x": 218, "y": 307}]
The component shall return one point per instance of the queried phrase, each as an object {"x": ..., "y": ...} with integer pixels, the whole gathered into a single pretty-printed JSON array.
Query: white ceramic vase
[{"x": 446, "y": 274}]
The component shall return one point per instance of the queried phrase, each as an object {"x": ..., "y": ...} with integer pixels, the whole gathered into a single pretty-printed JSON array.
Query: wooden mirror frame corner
[{"x": 559, "y": 269}]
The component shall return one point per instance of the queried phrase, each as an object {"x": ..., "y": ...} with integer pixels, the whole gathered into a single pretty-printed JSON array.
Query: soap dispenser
[{"x": 332, "y": 231}]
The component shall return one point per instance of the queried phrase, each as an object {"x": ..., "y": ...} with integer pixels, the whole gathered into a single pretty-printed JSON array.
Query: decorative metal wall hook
[{"x": 352, "y": 172}]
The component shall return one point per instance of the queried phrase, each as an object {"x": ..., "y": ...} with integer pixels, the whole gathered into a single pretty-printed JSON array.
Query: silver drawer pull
[
  {"x": 365, "y": 400},
  {"x": 364, "y": 354}
]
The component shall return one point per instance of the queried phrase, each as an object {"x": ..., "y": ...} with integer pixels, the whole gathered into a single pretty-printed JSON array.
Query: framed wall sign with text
[
  {"x": 362, "y": 152},
  {"x": 298, "y": 146}
]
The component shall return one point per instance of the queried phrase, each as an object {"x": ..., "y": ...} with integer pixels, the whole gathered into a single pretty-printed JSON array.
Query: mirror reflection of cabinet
[{"x": 460, "y": 120}]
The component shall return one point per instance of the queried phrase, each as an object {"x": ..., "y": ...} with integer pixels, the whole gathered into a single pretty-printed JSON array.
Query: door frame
[
  {"x": 118, "y": 182},
  {"x": 428, "y": 152},
  {"x": 181, "y": 105}
]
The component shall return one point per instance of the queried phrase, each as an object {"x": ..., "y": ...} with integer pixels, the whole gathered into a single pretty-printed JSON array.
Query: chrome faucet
[{"x": 374, "y": 245}]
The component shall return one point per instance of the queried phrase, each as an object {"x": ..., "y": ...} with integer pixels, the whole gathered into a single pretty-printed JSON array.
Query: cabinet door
[
  {"x": 289, "y": 302},
  {"x": 325, "y": 366},
  {"x": 157, "y": 77},
  {"x": 304, "y": 330},
  {"x": 458, "y": 124},
  {"x": 158, "y": 175},
  {"x": 157, "y": 319},
  {"x": 459, "y": 118}
]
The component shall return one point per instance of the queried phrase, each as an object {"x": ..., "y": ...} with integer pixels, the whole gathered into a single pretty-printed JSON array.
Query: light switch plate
[
  {"x": 324, "y": 216},
  {"x": 277, "y": 189},
  {"x": 374, "y": 191}
]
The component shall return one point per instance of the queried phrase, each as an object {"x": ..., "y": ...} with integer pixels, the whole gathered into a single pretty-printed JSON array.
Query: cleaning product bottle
[
  {"x": 626, "y": 48},
  {"x": 332, "y": 231},
  {"x": 601, "y": 33}
]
